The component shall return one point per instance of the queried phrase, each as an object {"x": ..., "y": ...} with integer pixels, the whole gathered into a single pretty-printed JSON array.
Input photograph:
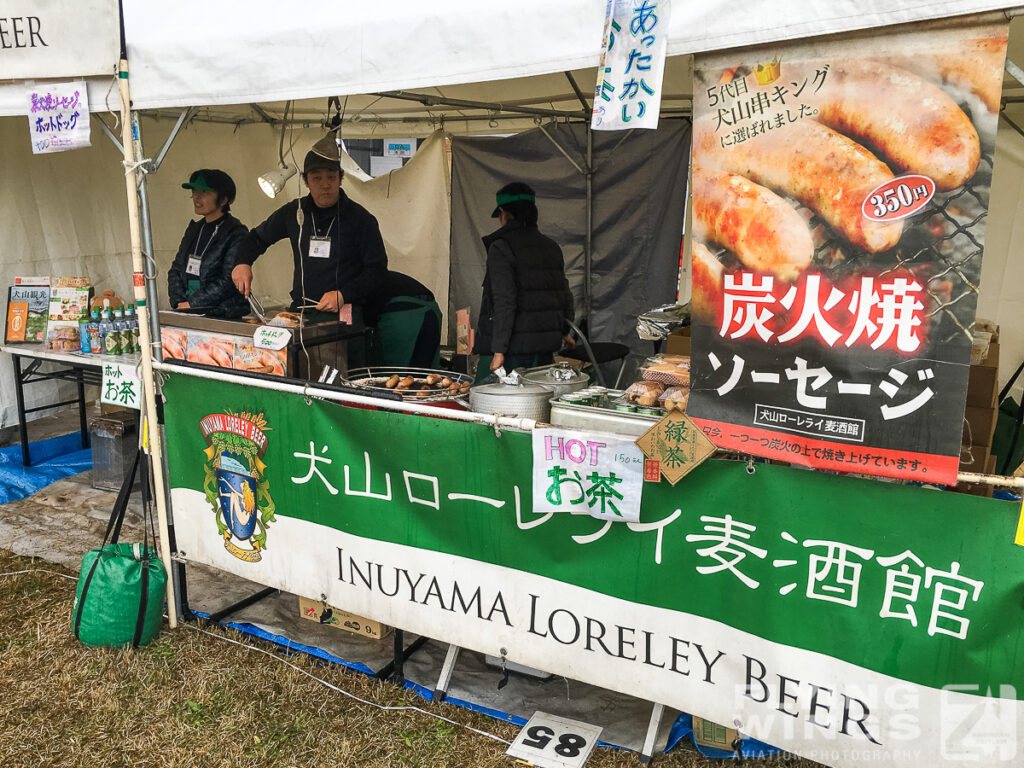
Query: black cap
[
  {"x": 315, "y": 162},
  {"x": 212, "y": 180}
]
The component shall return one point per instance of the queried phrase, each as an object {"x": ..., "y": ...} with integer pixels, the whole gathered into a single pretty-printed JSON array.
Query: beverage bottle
[
  {"x": 133, "y": 324},
  {"x": 108, "y": 341},
  {"x": 95, "y": 342},
  {"x": 84, "y": 341},
  {"x": 123, "y": 333}
]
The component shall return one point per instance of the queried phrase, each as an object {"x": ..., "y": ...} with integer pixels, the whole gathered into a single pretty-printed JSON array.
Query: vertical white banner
[
  {"x": 58, "y": 116},
  {"x": 629, "y": 77},
  {"x": 595, "y": 474}
]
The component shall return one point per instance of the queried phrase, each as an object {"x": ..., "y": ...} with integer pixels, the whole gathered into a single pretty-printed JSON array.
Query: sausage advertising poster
[{"x": 840, "y": 195}]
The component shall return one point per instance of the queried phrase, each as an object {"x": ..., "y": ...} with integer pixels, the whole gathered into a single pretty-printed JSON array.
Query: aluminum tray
[{"x": 601, "y": 419}]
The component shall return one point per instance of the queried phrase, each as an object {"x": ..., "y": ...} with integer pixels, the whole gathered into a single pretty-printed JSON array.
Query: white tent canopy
[{"x": 194, "y": 52}]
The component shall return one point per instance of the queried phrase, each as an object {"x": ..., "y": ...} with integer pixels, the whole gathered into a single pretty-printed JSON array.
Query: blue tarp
[{"x": 53, "y": 459}]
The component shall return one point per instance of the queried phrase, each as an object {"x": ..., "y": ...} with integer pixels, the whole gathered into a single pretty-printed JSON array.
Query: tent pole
[
  {"x": 151, "y": 431},
  {"x": 588, "y": 243},
  {"x": 146, "y": 231}
]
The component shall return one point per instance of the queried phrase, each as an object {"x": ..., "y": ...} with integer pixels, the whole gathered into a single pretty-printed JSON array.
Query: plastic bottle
[
  {"x": 108, "y": 341},
  {"x": 95, "y": 342},
  {"x": 133, "y": 324},
  {"x": 84, "y": 340},
  {"x": 123, "y": 333}
]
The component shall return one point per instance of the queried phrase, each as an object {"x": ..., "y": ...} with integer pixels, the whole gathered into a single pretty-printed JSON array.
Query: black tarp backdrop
[{"x": 638, "y": 207}]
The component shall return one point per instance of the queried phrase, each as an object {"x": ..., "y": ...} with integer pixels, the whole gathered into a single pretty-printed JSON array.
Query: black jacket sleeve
[
  {"x": 374, "y": 263},
  {"x": 502, "y": 275},
  {"x": 219, "y": 287},
  {"x": 177, "y": 283},
  {"x": 260, "y": 238}
]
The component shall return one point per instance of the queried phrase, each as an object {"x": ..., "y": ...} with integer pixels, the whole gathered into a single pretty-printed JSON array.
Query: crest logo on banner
[{"x": 236, "y": 484}]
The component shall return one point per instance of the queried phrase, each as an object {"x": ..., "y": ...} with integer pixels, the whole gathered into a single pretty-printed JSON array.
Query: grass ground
[{"x": 198, "y": 698}]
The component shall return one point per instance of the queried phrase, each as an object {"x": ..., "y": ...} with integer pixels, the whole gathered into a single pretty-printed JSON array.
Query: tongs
[{"x": 257, "y": 308}]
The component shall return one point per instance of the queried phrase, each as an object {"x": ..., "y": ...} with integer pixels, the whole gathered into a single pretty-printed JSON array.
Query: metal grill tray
[
  {"x": 373, "y": 379},
  {"x": 590, "y": 417}
]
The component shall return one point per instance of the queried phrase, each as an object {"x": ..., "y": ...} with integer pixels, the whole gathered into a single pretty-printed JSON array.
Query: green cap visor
[
  {"x": 506, "y": 199},
  {"x": 198, "y": 183}
]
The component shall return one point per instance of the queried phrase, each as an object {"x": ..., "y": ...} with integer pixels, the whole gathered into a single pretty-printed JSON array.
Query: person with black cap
[
  {"x": 337, "y": 249},
  {"x": 526, "y": 298},
  {"x": 200, "y": 275}
]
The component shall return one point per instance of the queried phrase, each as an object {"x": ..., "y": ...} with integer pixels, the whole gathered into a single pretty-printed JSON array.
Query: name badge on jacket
[
  {"x": 319, "y": 247},
  {"x": 193, "y": 266}
]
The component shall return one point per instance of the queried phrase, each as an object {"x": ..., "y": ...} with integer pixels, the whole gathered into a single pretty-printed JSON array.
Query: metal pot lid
[
  {"x": 501, "y": 389},
  {"x": 561, "y": 374}
]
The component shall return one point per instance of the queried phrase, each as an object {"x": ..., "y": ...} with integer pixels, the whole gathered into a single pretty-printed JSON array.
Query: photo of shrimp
[
  {"x": 174, "y": 341},
  {"x": 210, "y": 349}
]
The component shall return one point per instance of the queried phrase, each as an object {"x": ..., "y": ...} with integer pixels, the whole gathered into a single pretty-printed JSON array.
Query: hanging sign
[
  {"x": 632, "y": 66},
  {"x": 587, "y": 473},
  {"x": 674, "y": 446},
  {"x": 121, "y": 386},
  {"x": 399, "y": 147},
  {"x": 840, "y": 198},
  {"x": 58, "y": 116}
]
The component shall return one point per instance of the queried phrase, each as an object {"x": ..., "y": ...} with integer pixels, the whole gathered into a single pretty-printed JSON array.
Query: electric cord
[{"x": 325, "y": 683}]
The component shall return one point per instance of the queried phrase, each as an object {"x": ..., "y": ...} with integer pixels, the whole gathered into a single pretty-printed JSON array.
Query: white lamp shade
[{"x": 273, "y": 181}]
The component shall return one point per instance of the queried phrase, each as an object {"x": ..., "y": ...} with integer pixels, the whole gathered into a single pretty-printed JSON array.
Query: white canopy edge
[{"x": 194, "y": 52}]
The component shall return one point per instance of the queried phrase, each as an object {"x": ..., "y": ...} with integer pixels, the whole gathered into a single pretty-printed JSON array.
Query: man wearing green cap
[
  {"x": 200, "y": 275},
  {"x": 526, "y": 298}
]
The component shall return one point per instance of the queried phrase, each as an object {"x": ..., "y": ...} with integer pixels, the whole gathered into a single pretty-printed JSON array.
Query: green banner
[{"x": 898, "y": 582}]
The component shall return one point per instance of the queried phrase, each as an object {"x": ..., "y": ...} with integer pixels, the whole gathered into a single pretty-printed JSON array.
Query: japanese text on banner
[
  {"x": 632, "y": 67},
  {"x": 58, "y": 117},
  {"x": 595, "y": 474},
  {"x": 121, "y": 386}
]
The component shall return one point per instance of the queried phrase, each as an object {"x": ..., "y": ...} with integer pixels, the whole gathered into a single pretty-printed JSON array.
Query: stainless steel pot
[
  {"x": 560, "y": 378},
  {"x": 525, "y": 401}
]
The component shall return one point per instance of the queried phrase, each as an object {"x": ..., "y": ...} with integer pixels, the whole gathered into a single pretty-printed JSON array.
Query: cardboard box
[
  {"x": 314, "y": 610},
  {"x": 709, "y": 734},
  {"x": 983, "y": 380},
  {"x": 981, "y": 424},
  {"x": 678, "y": 342}
]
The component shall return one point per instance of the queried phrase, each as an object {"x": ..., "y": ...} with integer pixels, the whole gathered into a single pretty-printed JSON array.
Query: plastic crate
[{"x": 114, "y": 444}]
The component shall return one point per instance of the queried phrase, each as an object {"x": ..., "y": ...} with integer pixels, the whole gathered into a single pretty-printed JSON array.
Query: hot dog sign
[{"x": 840, "y": 191}]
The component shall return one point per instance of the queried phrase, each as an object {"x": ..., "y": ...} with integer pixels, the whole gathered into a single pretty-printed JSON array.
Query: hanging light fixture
[{"x": 272, "y": 182}]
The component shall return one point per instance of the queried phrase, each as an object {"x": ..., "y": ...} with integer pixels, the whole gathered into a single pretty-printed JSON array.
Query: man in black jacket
[
  {"x": 200, "y": 275},
  {"x": 526, "y": 298},
  {"x": 337, "y": 249}
]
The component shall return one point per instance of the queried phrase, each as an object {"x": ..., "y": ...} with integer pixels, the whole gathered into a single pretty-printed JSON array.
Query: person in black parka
[
  {"x": 200, "y": 275},
  {"x": 526, "y": 298}
]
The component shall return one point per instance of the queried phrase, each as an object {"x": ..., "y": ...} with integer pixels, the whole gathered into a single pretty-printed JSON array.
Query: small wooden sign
[{"x": 677, "y": 444}]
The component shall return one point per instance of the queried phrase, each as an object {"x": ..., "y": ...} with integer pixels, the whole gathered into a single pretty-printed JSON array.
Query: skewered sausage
[
  {"x": 818, "y": 166},
  {"x": 912, "y": 122},
  {"x": 761, "y": 228},
  {"x": 393, "y": 381},
  {"x": 975, "y": 65},
  {"x": 433, "y": 378}
]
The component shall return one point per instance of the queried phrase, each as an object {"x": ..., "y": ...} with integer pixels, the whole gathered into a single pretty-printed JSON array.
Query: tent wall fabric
[
  {"x": 319, "y": 48},
  {"x": 638, "y": 191},
  {"x": 63, "y": 213}
]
